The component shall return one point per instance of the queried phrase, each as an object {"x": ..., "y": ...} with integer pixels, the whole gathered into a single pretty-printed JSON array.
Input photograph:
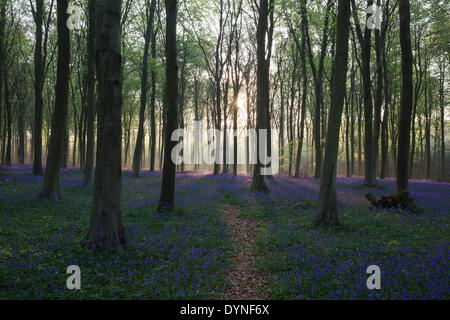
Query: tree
[
  {"x": 265, "y": 11},
  {"x": 369, "y": 145},
  {"x": 167, "y": 197},
  {"x": 50, "y": 188},
  {"x": 38, "y": 84},
  {"x": 40, "y": 70},
  {"x": 328, "y": 212},
  {"x": 150, "y": 13},
  {"x": 106, "y": 228},
  {"x": 318, "y": 78},
  {"x": 3, "y": 4},
  {"x": 152, "y": 104},
  {"x": 89, "y": 168},
  {"x": 406, "y": 98}
]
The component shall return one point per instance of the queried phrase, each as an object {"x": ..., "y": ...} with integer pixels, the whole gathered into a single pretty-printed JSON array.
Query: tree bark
[
  {"x": 369, "y": 146},
  {"x": 38, "y": 87},
  {"x": 150, "y": 13},
  {"x": 318, "y": 80},
  {"x": 89, "y": 168},
  {"x": 2, "y": 53},
  {"x": 167, "y": 197},
  {"x": 50, "y": 188},
  {"x": 106, "y": 228},
  {"x": 328, "y": 212},
  {"x": 263, "y": 96},
  {"x": 152, "y": 105},
  {"x": 406, "y": 98},
  {"x": 8, "y": 118},
  {"x": 303, "y": 102}
]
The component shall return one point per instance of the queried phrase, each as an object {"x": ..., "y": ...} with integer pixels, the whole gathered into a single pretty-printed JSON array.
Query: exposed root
[{"x": 398, "y": 200}]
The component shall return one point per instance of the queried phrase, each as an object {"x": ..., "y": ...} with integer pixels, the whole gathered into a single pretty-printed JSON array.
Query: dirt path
[{"x": 246, "y": 282}]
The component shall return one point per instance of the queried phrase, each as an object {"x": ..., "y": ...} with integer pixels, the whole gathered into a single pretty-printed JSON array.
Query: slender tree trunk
[
  {"x": 406, "y": 98},
  {"x": 50, "y": 188},
  {"x": 2, "y": 55},
  {"x": 347, "y": 138},
  {"x": 263, "y": 96},
  {"x": 38, "y": 83},
  {"x": 428, "y": 134},
  {"x": 378, "y": 95},
  {"x": 225, "y": 118},
  {"x": 21, "y": 129},
  {"x": 369, "y": 145},
  {"x": 303, "y": 101},
  {"x": 89, "y": 168},
  {"x": 150, "y": 13},
  {"x": 328, "y": 212},
  {"x": 352, "y": 121},
  {"x": 167, "y": 197},
  {"x": 197, "y": 135},
  {"x": 235, "y": 118},
  {"x": 152, "y": 105},
  {"x": 8, "y": 116},
  {"x": 106, "y": 228},
  {"x": 442, "y": 67}
]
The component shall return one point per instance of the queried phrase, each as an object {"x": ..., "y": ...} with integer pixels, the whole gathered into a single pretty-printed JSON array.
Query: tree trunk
[
  {"x": 378, "y": 95},
  {"x": 20, "y": 127},
  {"x": 328, "y": 212},
  {"x": 303, "y": 102},
  {"x": 8, "y": 116},
  {"x": 442, "y": 69},
  {"x": 150, "y": 10},
  {"x": 406, "y": 98},
  {"x": 152, "y": 105},
  {"x": 2, "y": 54},
  {"x": 106, "y": 228},
  {"x": 167, "y": 197},
  {"x": 428, "y": 134},
  {"x": 50, "y": 188},
  {"x": 369, "y": 145},
  {"x": 38, "y": 86},
  {"x": 89, "y": 168},
  {"x": 318, "y": 80},
  {"x": 347, "y": 138},
  {"x": 263, "y": 96}
]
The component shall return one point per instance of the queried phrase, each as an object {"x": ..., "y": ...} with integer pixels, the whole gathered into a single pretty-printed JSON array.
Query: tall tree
[
  {"x": 167, "y": 197},
  {"x": 369, "y": 149},
  {"x": 50, "y": 188},
  {"x": 303, "y": 101},
  {"x": 265, "y": 11},
  {"x": 149, "y": 15},
  {"x": 89, "y": 168},
  {"x": 106, "y": 228},
  {"x": 3, "y": 4},
  {"x": 318, "y": 78},
  {"x": 152, "y": 103},
  {"x": 38, "y": 87},
  {"x": 406, "y": 97},
  {"x": 328, "y": 212}
]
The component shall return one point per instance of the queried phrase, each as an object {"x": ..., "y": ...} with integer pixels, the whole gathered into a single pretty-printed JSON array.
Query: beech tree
[
  {"x": 149, "y": 15},
  {"x": 328, "y": 212},
  {"x": 106, "y": 228},
  {"x": 264, "y": 52},
  {"x": 167, "y": 197},
  {"x": 406, "y": 98},
  {"x": 369, "y": 145},
  {"x": 50, "y": 188},
  {"x": 88, "y": 170}
]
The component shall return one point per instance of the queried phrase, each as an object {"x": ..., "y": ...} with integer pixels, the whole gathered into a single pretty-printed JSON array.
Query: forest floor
[{"x": 219, "y": 231}]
